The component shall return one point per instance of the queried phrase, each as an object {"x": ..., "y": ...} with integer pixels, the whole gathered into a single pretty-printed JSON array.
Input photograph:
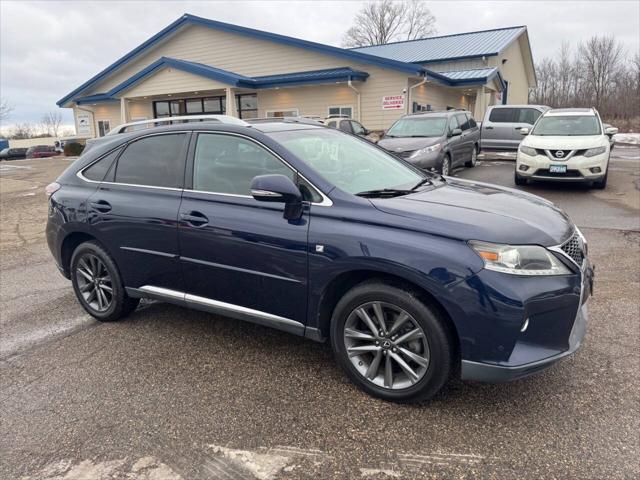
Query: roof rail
[
  {"x": 298, "y": 119},
  {"x": 226, "y": 119}
]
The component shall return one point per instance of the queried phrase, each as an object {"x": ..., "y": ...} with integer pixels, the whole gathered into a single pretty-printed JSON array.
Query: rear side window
[
  {"x": 156, "y": 161},
  {"x": 99, "y": 170},
  {"x": 463, "y": 121},
  {"x": 228, "y": 164},
  {"x": 527, "y": 115},
  {"x": 502, "y": 115},
  {"x": 345, "y": 126}
]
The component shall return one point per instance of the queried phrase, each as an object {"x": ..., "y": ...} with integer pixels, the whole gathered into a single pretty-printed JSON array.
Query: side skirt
[{"x": 217, "y": 307}]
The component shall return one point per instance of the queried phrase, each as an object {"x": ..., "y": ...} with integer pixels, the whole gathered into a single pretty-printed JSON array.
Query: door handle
[
  {"x": 488, "y": 128},
  {"x": 195, "y": 219},
  {"x": 101, "y": 206}
]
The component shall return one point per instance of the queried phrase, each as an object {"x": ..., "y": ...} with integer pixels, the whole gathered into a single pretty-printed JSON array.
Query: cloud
[{"x": 49, "y": 48}]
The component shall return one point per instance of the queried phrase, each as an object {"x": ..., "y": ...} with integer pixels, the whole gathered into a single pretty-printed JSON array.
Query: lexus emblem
[{"x": 559, "y": 154}]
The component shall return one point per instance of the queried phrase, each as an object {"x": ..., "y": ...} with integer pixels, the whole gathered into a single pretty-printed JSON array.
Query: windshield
[
  {"x": 418, "y": 127},
  {"x": 567, "y": 125},
  {"x": 352, "y": 164}
]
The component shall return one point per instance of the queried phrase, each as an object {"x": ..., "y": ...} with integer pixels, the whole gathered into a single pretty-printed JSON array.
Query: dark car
[
  {"x": 13, "y": 153},
  {"x": 41, "y": 151},
  {"x": 411, "y": 276},
  {"x": 435, "y": 140},
  {"x": 347, "y": 125}
]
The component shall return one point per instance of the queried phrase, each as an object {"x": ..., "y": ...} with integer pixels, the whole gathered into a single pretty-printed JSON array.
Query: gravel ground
[{"x": 177, "y": 394}]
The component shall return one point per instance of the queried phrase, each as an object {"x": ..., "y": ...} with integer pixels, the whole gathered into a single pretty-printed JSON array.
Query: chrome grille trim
[{"x": 575, "y": 248}]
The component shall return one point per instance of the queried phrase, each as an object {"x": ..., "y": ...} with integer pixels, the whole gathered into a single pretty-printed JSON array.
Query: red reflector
[{"x": 52, "y": 188}]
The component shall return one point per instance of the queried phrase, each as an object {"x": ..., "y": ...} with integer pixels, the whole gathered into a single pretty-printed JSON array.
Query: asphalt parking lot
[{"x": 176, "y": 394}]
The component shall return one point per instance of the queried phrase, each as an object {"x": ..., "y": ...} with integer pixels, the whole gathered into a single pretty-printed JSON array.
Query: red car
[{"x": 41, "y": 151}]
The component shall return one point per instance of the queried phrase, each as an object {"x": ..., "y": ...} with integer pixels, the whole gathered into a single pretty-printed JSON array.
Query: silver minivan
[{"x": 501, "y": 126}]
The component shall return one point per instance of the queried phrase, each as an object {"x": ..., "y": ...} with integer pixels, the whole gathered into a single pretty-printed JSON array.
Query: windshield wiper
[
  {"x": 421, "y": 183},
  {"x": 383, "y": 192}
]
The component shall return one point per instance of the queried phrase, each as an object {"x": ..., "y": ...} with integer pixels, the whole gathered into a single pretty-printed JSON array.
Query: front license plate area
[{"x": 558, "y": 169}]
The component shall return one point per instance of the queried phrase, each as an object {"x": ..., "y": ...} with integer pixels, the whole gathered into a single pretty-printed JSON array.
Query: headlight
[
  {"x": 528, "y": 151},
  {"x": 425, "y": 150},
  {"x": 519, "y": 260},
  {"x": 592, "y": 152}
]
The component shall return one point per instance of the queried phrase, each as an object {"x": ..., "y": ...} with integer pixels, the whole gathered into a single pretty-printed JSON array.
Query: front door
[
  {"x": 240, "y": 255},
  {"x": 135, "y": 209},
  {"x": 497, "y": 130}
]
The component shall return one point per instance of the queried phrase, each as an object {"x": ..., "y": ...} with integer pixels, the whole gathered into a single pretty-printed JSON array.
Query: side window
[
  {"x": 472, "y": 122},
  {"x": 156, "y": 161},
  {"x": 463, "y": 122},
  {"x": 357, "y": 128},
  {"x": 98, "y": 170},
  {"x": 332, "y": 124},
  {"x": 228, "y": 164},
  {"x": 345, "y": 126},
  {"x": 502, "y": 115},
  {"x": 453, "y": 123},
  {"x": 527, "y": 115}
]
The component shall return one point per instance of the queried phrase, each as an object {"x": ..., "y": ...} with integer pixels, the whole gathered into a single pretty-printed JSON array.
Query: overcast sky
[{"x": 49, "y": 48}]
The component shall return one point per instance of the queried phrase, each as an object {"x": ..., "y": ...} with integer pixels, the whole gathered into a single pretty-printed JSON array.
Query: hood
[
  {"x": 564, "y": 143},
  {"x": 481, "y": 211},
  {"x": 407, "y": 144}
]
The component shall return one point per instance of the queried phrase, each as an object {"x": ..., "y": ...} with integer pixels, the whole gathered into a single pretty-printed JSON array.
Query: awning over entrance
[
  {"x": 468, "y": 78},
  {"x": 232, "y": 79}
]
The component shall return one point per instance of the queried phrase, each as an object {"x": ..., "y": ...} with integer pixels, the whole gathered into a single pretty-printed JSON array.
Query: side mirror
[
  {"x": 524, "y": 131},
  {"x": 455, "y": 132},
  {"x": 610, "y": 131},
  {"x": 278, "y": 188}
]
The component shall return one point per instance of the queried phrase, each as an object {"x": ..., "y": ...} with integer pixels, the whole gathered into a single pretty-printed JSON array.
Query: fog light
[
  {"x": 524, "y": 168},
  {"x": 595, "y": 169}
]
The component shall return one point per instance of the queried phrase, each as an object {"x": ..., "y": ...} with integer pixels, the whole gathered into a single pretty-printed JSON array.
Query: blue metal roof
[
  {"x": 448, "y": 47},
  {"x": 461, "y": 78},
  {"x": 330, "y": 75},
  {"x": 187, "y": 19}
]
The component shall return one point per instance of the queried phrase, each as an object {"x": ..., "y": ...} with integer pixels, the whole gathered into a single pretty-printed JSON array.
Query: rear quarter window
[{"x": 98, "y": 171}]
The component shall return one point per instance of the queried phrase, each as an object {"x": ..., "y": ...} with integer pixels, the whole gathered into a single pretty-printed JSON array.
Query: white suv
[{"x": 567, "y": 144}]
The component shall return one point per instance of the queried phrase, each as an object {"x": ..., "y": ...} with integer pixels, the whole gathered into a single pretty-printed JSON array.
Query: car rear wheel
[
  {"x": 445, "y": 168},
  {"x": 390, "y": 343},
  {"x": 97, "y": 283},
  {"x": 474, "y": 158}
]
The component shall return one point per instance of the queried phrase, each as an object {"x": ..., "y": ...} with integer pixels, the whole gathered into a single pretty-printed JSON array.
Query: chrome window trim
[{"x": 326, "y": 201}]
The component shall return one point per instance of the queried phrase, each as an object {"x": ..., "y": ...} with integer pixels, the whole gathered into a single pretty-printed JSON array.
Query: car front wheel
[
  {"x": 519, "y": 180},
  {"x": 97, "y": 283},
  {"x": 445, "y": 169},
  {"x": 390, "y": 343}
]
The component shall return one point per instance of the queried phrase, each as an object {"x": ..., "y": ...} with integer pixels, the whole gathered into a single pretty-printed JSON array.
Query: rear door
[
  {"x": 134, "y": 211},
  {"x": 497, "y": 129},
  {"x": 466, "y": 143},
  {"x": 238, "y": 253},
  {"x": 525, "y": 117},
  {"x": 456, "y": 144}
]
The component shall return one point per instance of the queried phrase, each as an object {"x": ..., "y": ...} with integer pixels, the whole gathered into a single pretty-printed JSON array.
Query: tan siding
[
  {"x": 308, "y": 100},
  {"x": 140, "y": 109},
  {"x": 440, "y": 97},
  {"x": 102, "y": 111},
  {"x": 170, "y": 80},
  {"x": 514, "y": 72}
]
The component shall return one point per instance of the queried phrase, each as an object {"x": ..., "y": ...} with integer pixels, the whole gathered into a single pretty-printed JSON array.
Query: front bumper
[
  {"x": 579, "y": 168},
  {"x": 427, "y": 161}
]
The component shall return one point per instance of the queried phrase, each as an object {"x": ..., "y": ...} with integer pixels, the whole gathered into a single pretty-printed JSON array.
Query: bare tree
[
  {"x": 21, "y": 131},
  {"x": 386, "y": 21},
  {"x": 5, "y": 108},
  {"x": 601, "y": 58},
  {"x": 51, "y": 123}
]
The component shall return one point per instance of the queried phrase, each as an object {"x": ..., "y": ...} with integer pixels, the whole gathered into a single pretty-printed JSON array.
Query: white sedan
[{"x": 566, "y": 144}]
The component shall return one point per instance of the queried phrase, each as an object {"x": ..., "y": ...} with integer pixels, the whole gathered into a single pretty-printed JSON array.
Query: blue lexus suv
[{"x": 411, "y": 276}]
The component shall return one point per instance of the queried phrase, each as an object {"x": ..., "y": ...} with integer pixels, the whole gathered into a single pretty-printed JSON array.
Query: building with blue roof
[{"x": 197, "y": 65}]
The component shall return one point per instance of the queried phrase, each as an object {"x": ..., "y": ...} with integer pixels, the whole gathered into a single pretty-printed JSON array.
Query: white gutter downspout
[
  {"x": 424, "y": 80},
  {"x": 358, "y": 101}
]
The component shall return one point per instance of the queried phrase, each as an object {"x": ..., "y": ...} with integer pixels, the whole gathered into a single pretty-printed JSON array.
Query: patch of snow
[
  {"x": 378, "y": 473},
  {"x": 627, "y": 138},
  {"x": 263, "y": 466},
  {"x": 145, "y": 468}
]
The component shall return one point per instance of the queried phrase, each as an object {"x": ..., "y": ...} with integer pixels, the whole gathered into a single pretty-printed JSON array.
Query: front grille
[
  {"x": 573, "y": 247},
  {"x": 544, "y": 172},
  {"x": 556, "y": 155}
]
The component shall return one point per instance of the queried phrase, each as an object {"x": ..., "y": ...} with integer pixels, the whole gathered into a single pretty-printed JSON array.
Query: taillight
[{"x": 52, "y": 188}]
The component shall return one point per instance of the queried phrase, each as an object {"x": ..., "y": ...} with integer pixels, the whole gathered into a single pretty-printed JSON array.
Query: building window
[
  {"x": 247, "y": 105},
  {"x": 103, "y": 127},
  {"x": 215, "y": 105},
  {"x": 340, "y": 111},
  {"x": 189, "y": 106},
  {"x": 194, "y": 106},
  {"x": 292, "y": 112}
]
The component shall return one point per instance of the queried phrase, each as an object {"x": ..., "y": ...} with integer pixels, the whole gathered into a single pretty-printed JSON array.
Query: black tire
[
  {"x": 519, "y": 180},
  {"x": 474, "y": 158},
  {"x": 121, "y": 304},
  {"x": 442, "y": 356},
  {"x": 602, "y": 183},
  {"x": 446, "y": 165}
]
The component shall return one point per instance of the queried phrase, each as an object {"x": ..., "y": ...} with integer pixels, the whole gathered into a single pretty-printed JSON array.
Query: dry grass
[{"x": 624, "y": 125}]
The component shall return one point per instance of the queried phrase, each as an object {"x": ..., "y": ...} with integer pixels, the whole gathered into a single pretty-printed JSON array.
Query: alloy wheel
[
  {"x": 386, "y": 345},
  {"x": 446, "y": 165},
  {"x": 94, "y": 282},
  {"x": 474, "y": 156}
]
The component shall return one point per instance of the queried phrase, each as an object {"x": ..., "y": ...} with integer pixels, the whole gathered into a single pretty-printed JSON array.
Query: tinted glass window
[
  {"x": 194, "y": 105},
  {"x": 569, "y": 125},
  {"x": 472, "y": 123},
  {"x": 357, "y": 128},
  {"x": 99, "y": 170},
  {"x": 226, "y": 164},
  {"x": 157, "y": 161},
  {"x": 463, "y": 121},
  {"x": 345, "y": 126},
  {"x": 502, "y": 115},
  {"x": 453, "y": 124},
  {"x": 418, "y": 127},
  {"x": 331, "y": 124},
  {"x": 527, "y": 115}
]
